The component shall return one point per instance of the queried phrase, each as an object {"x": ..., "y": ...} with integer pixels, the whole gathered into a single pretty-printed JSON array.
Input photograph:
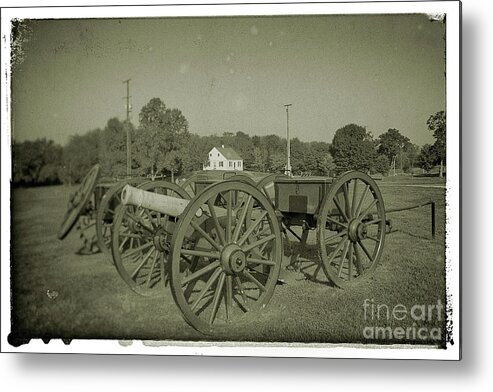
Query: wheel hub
[
  {"x": 160, "y": 240},
  {"x": 233, "y": 259},
  {"x": 357, "y": 230}
]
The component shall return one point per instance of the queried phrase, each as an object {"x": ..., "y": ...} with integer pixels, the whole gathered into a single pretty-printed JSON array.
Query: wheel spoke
[
  {"x": 355, "y": 191},
  {"x": 343, "y": 257},
  {"x": 365, "y": 250},
  {"x": 138, "y": 249},
  {"x": 149, "y": 277},
  {"x": 219, "y": 229},
  {"x": 255, "y": 244},
  {"x": 260, "y": 261},
  {"x": 333, "y": 237},
  {"x": 374, "y": 221},
  {"x": 207, "y": 286},
  {"x": 200, "y": 273},
  {"x": 372, "y": 238},
  {"x": 229, "y": 296},
  {"x": 240, "y": 222},
  {"x": 360, "y": 204},
  {"x": 350, "y": 262},
  {"x": 200, "y": 253},
  {"x": 139, "y": 221},
  {"x": 250, "y": 230},
  {"x": 336, "y": 250},
  {"x": 367, "y": 209},
  {"x": 346, "y": 199},
  {"x": 151, "y": 219},
  {"x": 144, "y": 260},
  {"x": 242, "y": 292},
  {"x": 250, "y": 277},
  {"x": 217, "y": 298},
  {"x": 120, "y": 248},
  {"x": 229, "y": 208},
  {"x": 336, "y": 202},
  {"x": 206, "y": 236},
  {"x": 336, "y": 221}
]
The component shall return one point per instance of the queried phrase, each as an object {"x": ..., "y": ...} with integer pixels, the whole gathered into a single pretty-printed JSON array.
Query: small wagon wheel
[
  {"x": 351, "y": 228},
  {"x": 141, "y": 241},
  {"x": 189, "y": 184},
  {"x": 79, "y": 200},
  {"x": 238, "y": 251},
  {"x": 106, "y": 214}
]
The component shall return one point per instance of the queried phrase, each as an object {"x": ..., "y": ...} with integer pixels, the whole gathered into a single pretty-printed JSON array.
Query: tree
[
  {"x": 437, "y": 123},
  {"x": 393, "y": 144},
  {"x": 80, "y": 154},
  {"x": 427, "y": 157},
  {"x": 113, "y": 148},
  {"x": 381, "y": 165},
  {"x": 161, "y": 131},
  {"x": 352, "y": 148},
  {"x": 36, "y": 162}
]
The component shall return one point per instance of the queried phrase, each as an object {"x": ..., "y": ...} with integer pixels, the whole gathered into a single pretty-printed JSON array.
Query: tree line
[{"x": 162, "y": 146}]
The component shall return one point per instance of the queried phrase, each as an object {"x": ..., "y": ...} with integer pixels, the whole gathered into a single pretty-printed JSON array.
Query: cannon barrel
[{"x": 164, "y": 204}]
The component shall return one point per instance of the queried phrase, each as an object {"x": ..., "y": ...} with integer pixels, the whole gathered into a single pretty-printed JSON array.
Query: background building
[{"x": 223, "y": 158}]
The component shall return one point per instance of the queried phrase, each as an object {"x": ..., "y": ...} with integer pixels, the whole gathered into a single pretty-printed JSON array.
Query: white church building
[{"x": 223, "y": 158}]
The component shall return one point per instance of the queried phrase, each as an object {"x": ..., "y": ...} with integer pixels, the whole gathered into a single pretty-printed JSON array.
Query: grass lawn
[{"x": 87, "y": 298}]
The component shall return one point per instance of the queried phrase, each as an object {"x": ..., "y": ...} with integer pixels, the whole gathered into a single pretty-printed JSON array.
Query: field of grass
[{"x": 59, "y": 294}]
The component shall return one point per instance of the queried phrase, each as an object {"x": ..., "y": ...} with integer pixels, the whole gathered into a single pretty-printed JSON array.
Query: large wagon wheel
[
  {"x": 106, "y": 214},
  {"x": 141, "y": 241},
  {"x": 351, "y": 228},
  {"x": 79, "y": 200},
  {"x": 238, "y": 251}
]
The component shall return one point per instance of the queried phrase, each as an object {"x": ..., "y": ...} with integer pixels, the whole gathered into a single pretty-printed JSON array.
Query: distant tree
[
  {"x": 427, "y": 157},
  {"x": 161, "y": 131},
  {"x": 437, "y": 123},
  {"x": 381, "y": 165},
  {"x": 352, "y": 148},
  {"x": 194, "y": 153},
  {"x": 79, "y": 155},
  {"x": 393, "y": 144},
  {"x": 36, "y": 162},
  {"x": 410, "y": 156},
  {"x": 277, "y": 163},
  {"x": 113, "y": 148},
  {"x": 318, "y": 160}
]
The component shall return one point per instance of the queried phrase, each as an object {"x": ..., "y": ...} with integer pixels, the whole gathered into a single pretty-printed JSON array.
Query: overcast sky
[{"x": 234, "y": 74}]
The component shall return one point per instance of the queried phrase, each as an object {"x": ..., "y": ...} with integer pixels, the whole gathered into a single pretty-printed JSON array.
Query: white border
[{"x": 451, "y": 8}]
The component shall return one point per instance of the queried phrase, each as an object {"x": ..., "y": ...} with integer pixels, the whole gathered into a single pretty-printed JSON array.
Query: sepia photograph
[{"x": 254, "y": 180}]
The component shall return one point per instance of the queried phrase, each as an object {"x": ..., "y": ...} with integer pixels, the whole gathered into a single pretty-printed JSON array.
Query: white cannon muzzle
[{"x": 169, "y": 205}]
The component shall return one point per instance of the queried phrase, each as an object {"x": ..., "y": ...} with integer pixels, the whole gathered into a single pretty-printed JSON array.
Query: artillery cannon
[
  {"x": 221, "y": 248},
  {"x": 224, "y": 247}
]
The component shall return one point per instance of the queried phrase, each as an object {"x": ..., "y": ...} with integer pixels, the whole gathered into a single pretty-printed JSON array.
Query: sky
[{"x": 229, "y": 74}]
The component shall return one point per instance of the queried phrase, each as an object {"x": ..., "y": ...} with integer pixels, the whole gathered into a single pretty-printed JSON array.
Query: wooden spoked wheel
[
  {"x": 106, "y": 214},
  {"x": 232, "y": 232},
  {"x": 141, "y": 241},
  {"x": 351, "y": 228},
  {"x": 79, "y": 200},
  {"x": 189, "y": 184}
]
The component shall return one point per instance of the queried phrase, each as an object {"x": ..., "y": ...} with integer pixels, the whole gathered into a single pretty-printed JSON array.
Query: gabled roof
[{"x": 229, "y": 153}]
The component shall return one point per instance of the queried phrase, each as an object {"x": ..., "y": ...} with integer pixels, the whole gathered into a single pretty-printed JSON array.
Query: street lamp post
[{"x": 288, "y": 166}]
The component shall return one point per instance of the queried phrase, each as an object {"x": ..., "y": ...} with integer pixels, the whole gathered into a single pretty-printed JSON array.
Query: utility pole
[
  {"x": 127, "y": 126},
  {"x": 288, "y": 166}
]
